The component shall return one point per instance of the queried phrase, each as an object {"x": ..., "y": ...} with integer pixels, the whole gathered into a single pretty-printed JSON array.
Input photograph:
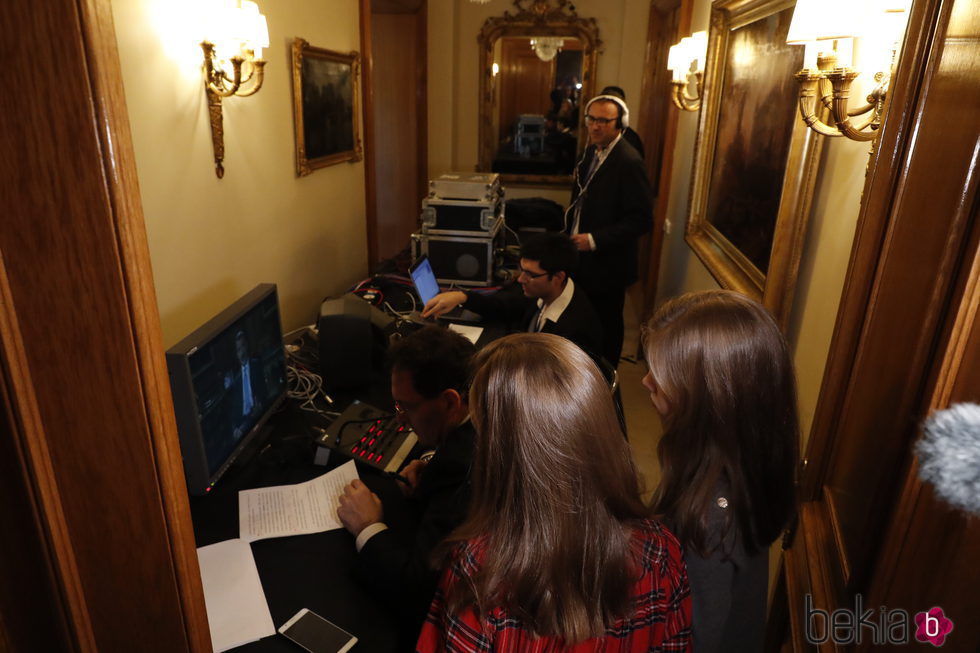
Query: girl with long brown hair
[
  {"x": 557, "y": 553},
  {"x": 721, "y": 377}
]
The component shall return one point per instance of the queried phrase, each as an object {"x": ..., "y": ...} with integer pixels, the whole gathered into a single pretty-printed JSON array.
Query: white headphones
[{"x": 625, "y": 119}]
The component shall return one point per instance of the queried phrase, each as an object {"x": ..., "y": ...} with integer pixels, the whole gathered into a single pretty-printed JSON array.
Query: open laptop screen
[{"x": 424, "y": 279}]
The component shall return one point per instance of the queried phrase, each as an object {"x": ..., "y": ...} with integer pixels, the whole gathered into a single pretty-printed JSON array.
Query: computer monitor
[{"x": 227, "y": 378}]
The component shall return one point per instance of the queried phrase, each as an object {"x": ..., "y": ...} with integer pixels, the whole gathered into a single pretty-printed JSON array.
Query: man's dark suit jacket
[
  {"x": 631, "y": 137},
  {"x": 578, "y": 322},
  {"x": 395, "y": 563},
  {"x": 616, "y": 209}
]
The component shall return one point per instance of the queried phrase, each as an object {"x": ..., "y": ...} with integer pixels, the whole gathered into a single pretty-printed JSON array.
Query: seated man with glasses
[
  {"x": 550, "y": 301},
  {"x": 429, "y": 374}
]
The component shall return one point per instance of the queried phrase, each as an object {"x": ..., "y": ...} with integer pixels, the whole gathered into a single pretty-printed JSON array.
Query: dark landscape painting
[
  {"x": 325, "y": 107},
  {"x": 755, "y": 127},
  {"x": 328, "y": 108}
]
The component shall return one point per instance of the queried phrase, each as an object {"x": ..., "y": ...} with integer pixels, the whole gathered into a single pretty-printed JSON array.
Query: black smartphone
[{"x": 316, "y": 634}]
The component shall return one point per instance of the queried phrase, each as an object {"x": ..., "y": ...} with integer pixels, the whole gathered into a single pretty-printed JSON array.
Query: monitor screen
[
  {"x": 227, "y": 378},
  {"x": 424, "y": 280}
]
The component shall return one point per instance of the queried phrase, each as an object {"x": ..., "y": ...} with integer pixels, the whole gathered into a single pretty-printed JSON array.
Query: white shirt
[
  {"x": 601, "y": 154},
  {"x": 554, "y": 310}
]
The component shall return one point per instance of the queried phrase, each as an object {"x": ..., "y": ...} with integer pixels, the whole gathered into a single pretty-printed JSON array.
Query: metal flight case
[
  {"x": 464, "y": 258},
  {"x": 473, "y": 218},
  {"x": 471, "y": 186},
  {"x": 462, "y": 228}
]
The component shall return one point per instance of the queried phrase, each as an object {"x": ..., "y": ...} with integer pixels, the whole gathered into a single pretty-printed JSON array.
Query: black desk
[
  {"x": 302, "y": 571},
  {"x": 313, "y": 571}
]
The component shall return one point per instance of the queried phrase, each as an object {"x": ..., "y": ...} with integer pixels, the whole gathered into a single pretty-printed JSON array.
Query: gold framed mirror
[{"x": 537, "y": 68}]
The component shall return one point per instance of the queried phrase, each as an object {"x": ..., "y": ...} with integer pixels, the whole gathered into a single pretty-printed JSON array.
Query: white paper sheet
[
  {"x": 237, "y": 609},
  {"x": 309, "y": 507},
  {"x": 471, "y": 333}
]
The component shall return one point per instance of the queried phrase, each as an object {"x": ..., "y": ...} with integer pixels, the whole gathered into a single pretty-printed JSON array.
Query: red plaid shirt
[{"x": 660, "y": 621}]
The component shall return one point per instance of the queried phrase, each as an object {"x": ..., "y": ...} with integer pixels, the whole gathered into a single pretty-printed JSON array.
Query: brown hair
[
  {"x": 724, "y": 368},
  {"x": 555, "y": 491}
]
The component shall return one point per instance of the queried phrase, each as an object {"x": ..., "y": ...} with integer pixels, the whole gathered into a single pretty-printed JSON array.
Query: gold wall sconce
[
  {"x": 233, "y": 63},
  {"x": 827, "y": 29},
  {"x": 684, "y": 56}
]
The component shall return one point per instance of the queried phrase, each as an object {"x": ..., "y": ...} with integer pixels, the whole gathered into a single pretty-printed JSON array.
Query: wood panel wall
[{"x": 524, "y": 83}]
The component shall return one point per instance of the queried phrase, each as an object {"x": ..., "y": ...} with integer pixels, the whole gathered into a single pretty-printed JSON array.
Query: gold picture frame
[
  {"x": 749, "y": 207},
  {"x": 533, "y": 18},
  {"x": 326, "y": 109}
]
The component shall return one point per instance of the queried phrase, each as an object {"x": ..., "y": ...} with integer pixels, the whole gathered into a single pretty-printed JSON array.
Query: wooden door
[
  {"x": 903, "y": 342},
  {"x": 400, "y": 170},
  {"x": 97, "y": 547}
]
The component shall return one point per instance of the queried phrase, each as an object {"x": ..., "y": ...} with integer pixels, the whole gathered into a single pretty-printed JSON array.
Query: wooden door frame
[
  {"x": 659, "y": 125},
  {"x": 87, "y": 399},
  {"x": 370, "y": 134},
  {"x": 370, "y": 138},
  {"x": 908, "y": 275}
]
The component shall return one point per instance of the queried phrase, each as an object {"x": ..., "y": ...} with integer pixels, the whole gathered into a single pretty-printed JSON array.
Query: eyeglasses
[
  {"x": 602, "y": 121},
  {"x": 411, "y": 407},
  {"x": 531, "y": 275}
]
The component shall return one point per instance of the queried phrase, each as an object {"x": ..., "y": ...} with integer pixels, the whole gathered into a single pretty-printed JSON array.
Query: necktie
[
  {"x": 583, "y": 184},
  {"x": 592, "y": 166}
]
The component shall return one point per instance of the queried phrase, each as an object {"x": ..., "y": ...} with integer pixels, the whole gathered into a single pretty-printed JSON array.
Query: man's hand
[
  {"x": 359, "y": 507},
  {"x": 443, "y": 303},
  {"x": 581, "y": 242},
  {"x": 412, "y": 472}
]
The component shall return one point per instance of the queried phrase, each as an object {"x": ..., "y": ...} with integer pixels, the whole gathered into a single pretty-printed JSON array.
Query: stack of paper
[
  {"x": 309, "y": 507},
  {"x": 237, "y": 609}
]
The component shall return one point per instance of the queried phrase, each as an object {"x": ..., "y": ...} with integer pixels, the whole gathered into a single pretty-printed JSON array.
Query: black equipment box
[
  {"x": 463, "y": 258},
  {"x": 450, "y": 217},
  {"x": 535, "y": 214},
  {"x": 353, "y": 337}
]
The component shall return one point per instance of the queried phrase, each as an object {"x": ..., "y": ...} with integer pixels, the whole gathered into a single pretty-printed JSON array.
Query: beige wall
[
  {"x": 454, "y": 67},
  {"x": 212, "y": 240},
  {"x": 833, "y": 217}
]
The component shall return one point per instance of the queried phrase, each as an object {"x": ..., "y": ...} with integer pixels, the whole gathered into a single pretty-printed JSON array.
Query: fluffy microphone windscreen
[{"x": 949, "y": 455}]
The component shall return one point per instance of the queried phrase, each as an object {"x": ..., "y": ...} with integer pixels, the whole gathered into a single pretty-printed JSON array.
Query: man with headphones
[{"x": 611, "y": 207}]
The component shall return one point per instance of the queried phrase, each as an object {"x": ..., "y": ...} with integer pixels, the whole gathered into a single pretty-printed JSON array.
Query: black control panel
[{"x": 370, "y": 436}]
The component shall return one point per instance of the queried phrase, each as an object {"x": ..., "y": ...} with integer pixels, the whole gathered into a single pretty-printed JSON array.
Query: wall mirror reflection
[{"x": 537, "y": 66}]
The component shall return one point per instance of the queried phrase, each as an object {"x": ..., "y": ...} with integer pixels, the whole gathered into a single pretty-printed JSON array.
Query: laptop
[{"x": 424, "y": 280}]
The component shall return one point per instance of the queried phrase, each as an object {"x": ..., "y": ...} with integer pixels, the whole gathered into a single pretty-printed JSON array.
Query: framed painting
[
  {"x": 325, "y": 107},
  {"x": 755, "y": 161}
]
